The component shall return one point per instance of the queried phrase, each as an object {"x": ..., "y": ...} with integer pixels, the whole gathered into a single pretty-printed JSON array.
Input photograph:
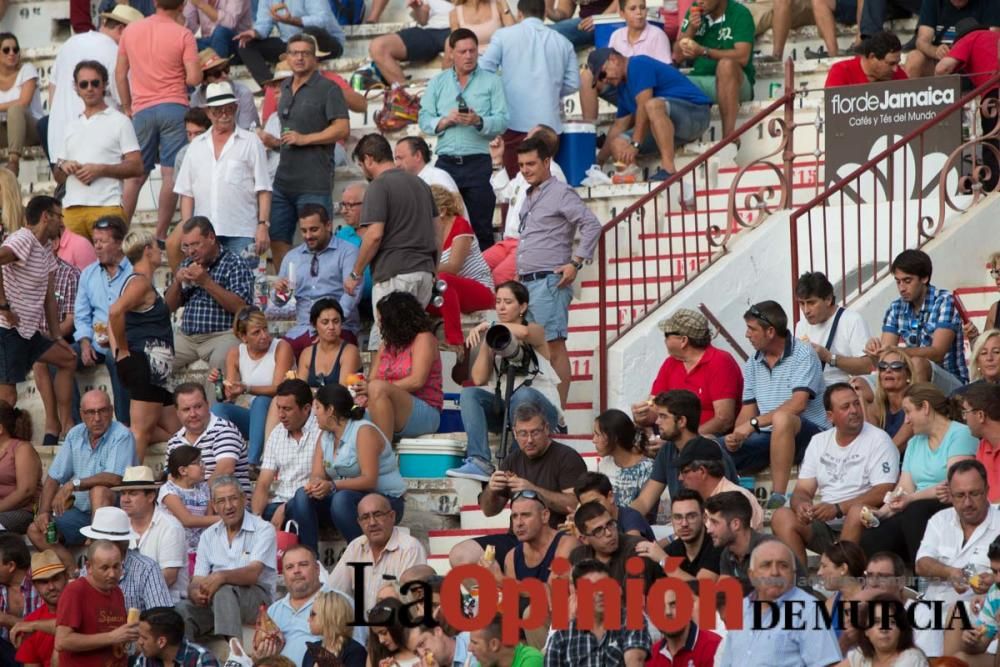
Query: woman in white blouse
[{"x": 20, "y": 101}]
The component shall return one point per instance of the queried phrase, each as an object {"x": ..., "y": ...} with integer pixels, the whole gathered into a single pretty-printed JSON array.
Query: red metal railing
[
  {"x": 657, "y": 245},
  {"x": 883, "y": 205}
]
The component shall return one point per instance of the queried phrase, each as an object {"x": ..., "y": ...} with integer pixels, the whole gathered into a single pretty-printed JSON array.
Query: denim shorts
[
  {"x": 160, "y": 131},
  {"x": 423, "y": 419},
  {"x": 549, "y": 305},
  {"x": 690, "y": 122},
  {"x": 285, "y": 211},
  {"x": 755, "y": 453},
  {"x": 17, "y": 355},
  {"x": 69, "y": 524}
]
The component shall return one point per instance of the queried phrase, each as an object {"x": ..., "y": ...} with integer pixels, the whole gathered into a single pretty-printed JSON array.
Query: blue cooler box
[
  {"x": 429, "y": 457},
  {"x": 577, "y": 151}
]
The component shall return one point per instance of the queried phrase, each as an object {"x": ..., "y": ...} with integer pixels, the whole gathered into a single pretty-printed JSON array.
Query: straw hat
[
  {"x": 110, "y": 523},
  {"x": 123, "y": 14},
  {"x": 138, "y": 478},
  {"x": 45, "y": 565},
  {"x": 282, "y": 71},
  {"x": 209, "y": 59}
]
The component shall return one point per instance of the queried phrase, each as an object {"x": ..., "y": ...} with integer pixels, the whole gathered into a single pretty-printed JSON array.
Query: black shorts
[
  {"x": 18, "y": 355},
  {"x": 133, "y": 371},
  {"x": 423, "y": 44}
]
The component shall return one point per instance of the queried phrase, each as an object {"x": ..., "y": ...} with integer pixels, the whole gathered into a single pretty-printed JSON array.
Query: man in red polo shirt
[
  {"x": 975, "y": 53},
  {"x": 36, "y": 634},
  {"x": 981, "y": 409},
  {"x": 688, "y": 647},
  {"x": 694, "y": 364},
  {"x": 882, "y": 53}
]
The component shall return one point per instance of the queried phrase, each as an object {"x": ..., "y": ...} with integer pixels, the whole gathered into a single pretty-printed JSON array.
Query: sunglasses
[
  {"x": 245, "y": 314},
  {"x": 103, "y": 224},
  {"x": 529, "y": 494},
  {"x": 891, "y": 365},
  {"x": 84, "y": 84},
  {"x": 11, "y": 49},
  {"x": 756, "y": 313}
]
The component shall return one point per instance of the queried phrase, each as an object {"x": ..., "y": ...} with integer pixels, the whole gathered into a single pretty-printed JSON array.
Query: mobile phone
[{"x": 462, "y": 106}]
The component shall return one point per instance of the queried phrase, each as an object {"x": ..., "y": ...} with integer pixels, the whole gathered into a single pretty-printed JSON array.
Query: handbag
[
  {"x": 286, "y": 539},
  {"x": 399, "y": 109}
]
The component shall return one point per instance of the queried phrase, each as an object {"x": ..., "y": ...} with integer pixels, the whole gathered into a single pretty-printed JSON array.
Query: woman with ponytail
[
  {"x": 939, "y": 441},
  {"x": 20, "y": 470},
  {"x": 352, "y": 458},
  {"x": 621, "y": 447}
]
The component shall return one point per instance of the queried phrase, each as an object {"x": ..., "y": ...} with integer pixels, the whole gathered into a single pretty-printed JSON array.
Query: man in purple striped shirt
[{"x": 546, "y": 262}]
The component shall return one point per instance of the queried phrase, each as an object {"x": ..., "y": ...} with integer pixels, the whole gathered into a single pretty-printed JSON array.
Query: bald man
[
  {"x": 90, "y": 462},
  {"x": 351, "y": 231},
  {"x": 388, "y": 549}
]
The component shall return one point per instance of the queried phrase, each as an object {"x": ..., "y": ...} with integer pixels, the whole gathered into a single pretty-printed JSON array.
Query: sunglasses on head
[
  {"x": 84, "y": 84},
  {"x": 11, "y": 49},
  {"x": 758, "y": 315},
  {"x": 244, "y": 314},
  {"x": 529, "y": 494},
  {"x": 891, "y": 365},
  {"x": 103, "y": 224}
]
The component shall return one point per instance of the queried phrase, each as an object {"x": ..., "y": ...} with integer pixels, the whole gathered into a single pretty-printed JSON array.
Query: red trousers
[{"x": 463, "y": 295}]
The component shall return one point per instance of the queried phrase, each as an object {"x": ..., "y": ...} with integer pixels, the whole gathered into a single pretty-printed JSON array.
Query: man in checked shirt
[
  {"x": 598, "y": 646},
  {"x": 547, "y": 264}
]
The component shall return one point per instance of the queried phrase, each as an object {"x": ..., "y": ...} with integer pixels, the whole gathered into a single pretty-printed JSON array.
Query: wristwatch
[
  {"x": 4, "y": 306},
  {"x": 76, "y": 483},
  {"x": 576, "y": 265},
  {"x": 755, "y": 423},
  {"x": 354, "y": 276},
  {"x": 266, "y": 223},
  {"x": 833, "y": 360},
  {"x": 635, "y": 144}
]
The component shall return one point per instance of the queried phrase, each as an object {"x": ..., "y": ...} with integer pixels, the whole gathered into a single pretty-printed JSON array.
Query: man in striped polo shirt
[
  {"x": 223, "y": 450},
  {"x": 29, "y": 320},
  {"x": 782, "y": 400}
]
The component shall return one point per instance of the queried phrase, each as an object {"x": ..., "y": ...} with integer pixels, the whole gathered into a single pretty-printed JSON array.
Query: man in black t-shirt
[
  {"x": 691, "y": 543},
  {"x": 602, "y": 541},
  {"x": 936, "y": 30},
  {"x": 595, "y": 486}
]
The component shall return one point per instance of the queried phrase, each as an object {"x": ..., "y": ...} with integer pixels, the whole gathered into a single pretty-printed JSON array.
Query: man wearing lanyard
[{"x": 546, "y": 264}]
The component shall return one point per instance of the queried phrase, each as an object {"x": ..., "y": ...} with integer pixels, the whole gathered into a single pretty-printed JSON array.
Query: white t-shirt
[
  {"x": 225, "y": 189},
  {"x": 166, "y": 543},
  {"x": 26, "y": 73},
  {"x": 849, "y": 341},
  {"x": 911, "y": 657},
  {"x": 440, "y": 10},
  {"x": 432, "y": 176},
  {"x": 513, "y": 191},
  {"x": 101, "y": 139},
  {"x": 843, "y": 473},
  {"x": 66, "y": 104},
  {"x": 943, "y": 541}
]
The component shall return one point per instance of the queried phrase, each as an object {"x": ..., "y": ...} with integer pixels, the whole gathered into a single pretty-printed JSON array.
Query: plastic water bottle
[{"x": 260, "y": 283}]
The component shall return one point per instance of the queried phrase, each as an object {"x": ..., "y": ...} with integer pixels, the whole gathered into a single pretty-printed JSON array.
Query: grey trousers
[{"x": 231, "y": 608}]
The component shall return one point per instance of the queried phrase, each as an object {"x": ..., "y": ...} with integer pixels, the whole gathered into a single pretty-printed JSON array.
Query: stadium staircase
[{"x": 653, "y": 249}]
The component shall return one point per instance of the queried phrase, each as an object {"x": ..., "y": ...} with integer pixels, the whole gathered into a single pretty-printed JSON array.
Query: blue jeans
[
  {"x": 250, "y": 421},
  {"x": 340, "y": 509},
  {"x": 482, "y": 413},
  {"x": 285, "y": 211},
  {"x": 221, "y": 40},
  {"x": 69, "y": 523},
  {"x": 423, "y": 419},
  {"x": 570, "y": 29},
  {"x": 118, "y": 390}
]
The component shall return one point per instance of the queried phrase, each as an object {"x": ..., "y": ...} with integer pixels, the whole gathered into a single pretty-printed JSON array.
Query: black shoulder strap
[{"x": 833, "y": 330}]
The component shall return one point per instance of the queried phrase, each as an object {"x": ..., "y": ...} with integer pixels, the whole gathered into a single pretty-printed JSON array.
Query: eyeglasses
[
  {"x": 244, "y": 314},
  {"x": 756, "y": 313},
  {"x": 891, "y": 365},
  {"x": 968, "y": 410},
  {"x": 7, "y": 50},
  {"x": 350, "y": 204},
  {"x": 971, "y": 495},
  {"x": 533, "y": 433},
  {"x": 227, "y": 110},
  {"x": 376, "y": 516},
  {"x": 95, "y": 412},
  {"x": 602, "y": 75},
  {"x": 300, "y": 54},
  {"x": 314, "y": 266},
  {"x": 610, "y": 528},
  {"x": 84, "y": 84},
  {"x": 690, "y": 517}
]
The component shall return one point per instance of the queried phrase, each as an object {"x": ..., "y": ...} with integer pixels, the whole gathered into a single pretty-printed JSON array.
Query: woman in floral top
[{"x": 621, "y": 445}]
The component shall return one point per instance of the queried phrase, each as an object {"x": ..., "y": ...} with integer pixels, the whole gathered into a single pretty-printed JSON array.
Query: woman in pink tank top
[
  {"x": 20, "y": 470},
  {"x": 483, "y": 17},
  {"x": 404, "y": 395}
]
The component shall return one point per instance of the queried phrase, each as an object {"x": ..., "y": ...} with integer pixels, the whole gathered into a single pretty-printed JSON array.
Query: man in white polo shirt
[
  {"x": 838, "y": 335},
  {"x": 100, "y": 45},
  {"x": 99, "y": 152},
  {"x": 160, "y": 536},
  {"x": 225, "y": 179},
  {"x": 956, "y": 545}
]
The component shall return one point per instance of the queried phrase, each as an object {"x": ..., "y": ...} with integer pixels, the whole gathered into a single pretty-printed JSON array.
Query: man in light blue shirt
[
  {"x": 538, "y": 68},
  {"x": 465, "y": 108},
  {"x": 772, "y": 644},
  {"x": 91, "y": 461},
  {"x": 314, "y": 17},
  {"x": 235, "y": 568},
  {"x": 318, "y": 268},
  {"x": 100, "y": 285}
]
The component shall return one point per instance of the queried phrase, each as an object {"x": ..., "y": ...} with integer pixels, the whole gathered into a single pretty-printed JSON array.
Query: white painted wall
[{"x": 758, "y": 267}]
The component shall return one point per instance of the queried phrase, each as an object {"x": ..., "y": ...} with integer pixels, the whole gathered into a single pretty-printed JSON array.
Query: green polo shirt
[
  {"x": 734, "y": 26},
  {"x": 526, "y": 656}
]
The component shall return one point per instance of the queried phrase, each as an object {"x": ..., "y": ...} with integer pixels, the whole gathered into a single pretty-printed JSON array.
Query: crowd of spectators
[{"x": 895, "y": 436}]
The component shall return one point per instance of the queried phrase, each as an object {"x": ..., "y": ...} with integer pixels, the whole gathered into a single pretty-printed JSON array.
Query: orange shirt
[
  {"x": 157, "y": 48},
  {"x": 989, "y": 456}
]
